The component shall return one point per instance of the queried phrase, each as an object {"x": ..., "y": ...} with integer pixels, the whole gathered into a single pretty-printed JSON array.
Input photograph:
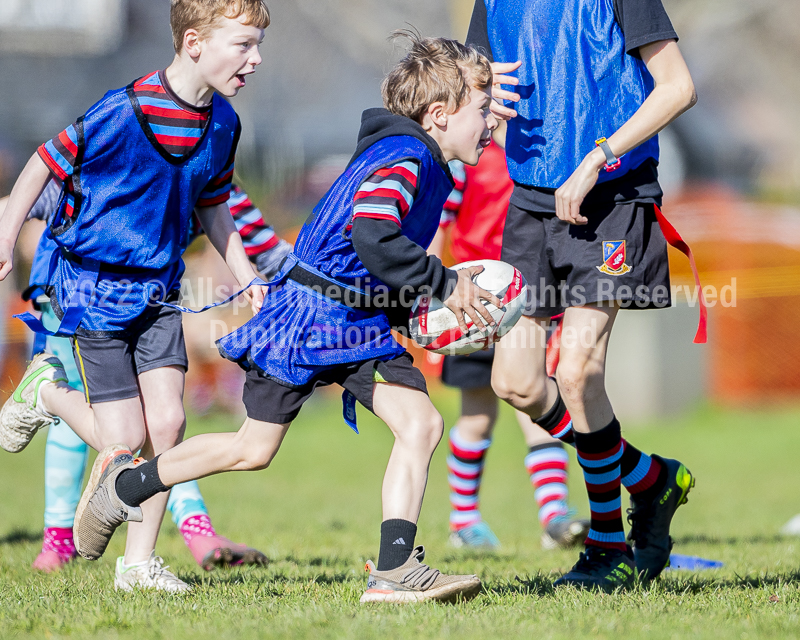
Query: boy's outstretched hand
[{"x": 466, "y": 300}]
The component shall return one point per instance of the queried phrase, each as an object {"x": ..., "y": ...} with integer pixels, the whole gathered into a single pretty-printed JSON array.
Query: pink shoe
[
  {"x": 211, "y": 550},
  {"x": 58, "y": 549}
]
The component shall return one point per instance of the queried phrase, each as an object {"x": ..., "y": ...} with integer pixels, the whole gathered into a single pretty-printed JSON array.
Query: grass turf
[{"x": 316, "y": 513}]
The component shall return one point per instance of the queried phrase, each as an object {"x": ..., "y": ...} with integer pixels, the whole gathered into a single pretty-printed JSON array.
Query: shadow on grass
[
  {"x": 20, "y": 536},
  {"x": 315, "y": 561},
  {"x": 538, "y": 586},
  {"x": 251, "y": 576},
  {"x": 758, "y": 539}
]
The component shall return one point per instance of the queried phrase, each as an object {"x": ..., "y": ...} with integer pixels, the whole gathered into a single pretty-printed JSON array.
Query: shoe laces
[
  {"x": 420, "y": 577},
  {"x": 104, "y": 509},
  {"x": 157, "y": 569},
  {"x": 640, "y": 519},
  {"x": 592, "y": 559}
]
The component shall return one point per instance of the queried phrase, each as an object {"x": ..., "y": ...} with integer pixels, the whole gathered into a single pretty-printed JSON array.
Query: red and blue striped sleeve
[
  {"x": 456, "y": 197},
  {"x": 60, "y": 154},
  {"x": 257, "y": 236},
  {"x": 388, "y": 194}
]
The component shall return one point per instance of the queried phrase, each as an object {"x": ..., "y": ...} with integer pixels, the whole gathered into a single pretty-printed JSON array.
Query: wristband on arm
[{"x": 612, "y": 162}]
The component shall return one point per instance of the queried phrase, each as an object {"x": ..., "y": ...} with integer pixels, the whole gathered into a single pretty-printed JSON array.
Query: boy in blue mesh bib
[
  {"x": 326, "y": 316},
  {"x": 134, "y": 170}
]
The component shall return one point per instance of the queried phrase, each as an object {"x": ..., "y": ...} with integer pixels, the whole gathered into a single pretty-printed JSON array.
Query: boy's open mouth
[
  {"x": 485, "y": 142},
  {"x": 241, "y": 79}
]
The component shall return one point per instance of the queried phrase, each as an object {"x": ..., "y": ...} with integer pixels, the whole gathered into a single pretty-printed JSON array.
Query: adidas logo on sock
[
  {"x": 399, "y": 541},
  {"x": 144, "y": 477}
]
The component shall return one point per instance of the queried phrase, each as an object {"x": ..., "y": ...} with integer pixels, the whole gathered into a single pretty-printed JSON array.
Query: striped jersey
[
  {"x": 257, "y": 235},
  {"x": 456, "y": 197},
  {"x": 176, "y": 125},
  {"x": 172, "y": 125},
  {"x": 389, "y": 193}
]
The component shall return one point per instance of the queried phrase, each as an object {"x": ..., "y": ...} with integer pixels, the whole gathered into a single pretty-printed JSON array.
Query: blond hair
[
  {"x": 203, "y": 16},
  {"x": 433, "y": 70}
]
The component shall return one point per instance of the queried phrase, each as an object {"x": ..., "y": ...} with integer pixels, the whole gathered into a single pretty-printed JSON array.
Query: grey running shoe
[
  {"x": 22, "y": 415},
  {"x": 602, "y": 569},
  {"x": 650, "y": 521},
  {"x": 153, "y": 575},
  {"x": 563, "y": 532},
  {"x": 100, "y": 511},
  {"x": 416, "y": 582}
]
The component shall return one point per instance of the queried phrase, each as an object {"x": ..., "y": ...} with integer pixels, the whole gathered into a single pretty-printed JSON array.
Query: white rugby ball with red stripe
[{"x": 435, "y": 328}]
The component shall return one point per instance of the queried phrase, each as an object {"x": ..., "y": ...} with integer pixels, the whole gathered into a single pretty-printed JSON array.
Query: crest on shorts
[{"x": 614, "y": 258}]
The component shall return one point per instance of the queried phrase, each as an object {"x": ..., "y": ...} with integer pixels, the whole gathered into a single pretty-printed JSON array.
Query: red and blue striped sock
[
  {"x": 556, "y": 421},
  {"x": 465, "y": 467},
  {"x": 642, "y": 475},
  {"x": 547, "y": 466},
  {"x": 599, "y": 454}
]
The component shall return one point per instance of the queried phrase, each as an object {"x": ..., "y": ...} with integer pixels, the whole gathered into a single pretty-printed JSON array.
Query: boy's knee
[
  {"x": 168, "y": 426},
  {"x": 577, "y": 375},
  {"x": 255, "y": 456},
  {"x": 424, "y": 431},
  {"x": 251, "y": 451},
  {"x": 527, "y": 394}
]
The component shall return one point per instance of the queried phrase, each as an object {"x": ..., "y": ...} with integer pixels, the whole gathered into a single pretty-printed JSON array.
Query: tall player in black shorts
[{"x": 597, "y": 80}]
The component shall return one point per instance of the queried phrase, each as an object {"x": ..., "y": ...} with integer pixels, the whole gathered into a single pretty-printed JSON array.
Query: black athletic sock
[
  {"x": 556, "y": 421},
  {"x": 397, "y": 543},
  {"x": 136, "y": 485}
]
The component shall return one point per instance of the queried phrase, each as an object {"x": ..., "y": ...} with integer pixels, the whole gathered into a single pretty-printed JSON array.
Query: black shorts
[
  {"x": 268, "y": 400},
  {"x": 619, "y": 256},
  {"x": 109, "y": 366},
  {"x": 469, "y": 372}
]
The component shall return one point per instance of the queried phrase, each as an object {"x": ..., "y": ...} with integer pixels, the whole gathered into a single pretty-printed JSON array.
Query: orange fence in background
[
  {"x": 753, "y": 346},
  {"x": 755, "y": 353}
]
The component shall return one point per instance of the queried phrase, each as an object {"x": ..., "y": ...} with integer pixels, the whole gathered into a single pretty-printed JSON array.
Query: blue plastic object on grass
[{"x": 691, "y": 563}]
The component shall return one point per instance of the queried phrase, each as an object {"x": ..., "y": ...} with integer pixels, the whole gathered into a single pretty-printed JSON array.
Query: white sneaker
[
  {"x": 22, "y": 415},
  {"x": 792, "y": 528},
  {"x": 151, "y": 575}
]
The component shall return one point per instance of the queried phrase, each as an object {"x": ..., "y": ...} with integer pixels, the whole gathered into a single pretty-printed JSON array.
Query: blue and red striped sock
[
  {"x": 599, "y": 454},
  {"x": 642, "y": 475},
  {"x": 465, "y": 467},
  {"x": 556, "y": 421}
]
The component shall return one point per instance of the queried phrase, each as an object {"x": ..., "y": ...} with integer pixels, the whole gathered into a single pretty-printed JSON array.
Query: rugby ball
[{"x": 435, "y": 328}]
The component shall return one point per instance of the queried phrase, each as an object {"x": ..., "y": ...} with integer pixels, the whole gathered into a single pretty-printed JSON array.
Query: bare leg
[
  {"x": 581, "y": 368},
  {"x": 519, "y": 375},
  {"x": 417, "y": 429},
  {"x": 250, "y": 449},
  {"x": 100, "y": 424},
  {"x": 162, "y": 398},
  {"x": 533, "y": 433},
  {"x": 478, "y": 414}
]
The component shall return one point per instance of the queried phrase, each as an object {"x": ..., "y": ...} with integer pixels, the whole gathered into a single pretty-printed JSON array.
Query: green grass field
[{"x": 316, "y": 512}]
